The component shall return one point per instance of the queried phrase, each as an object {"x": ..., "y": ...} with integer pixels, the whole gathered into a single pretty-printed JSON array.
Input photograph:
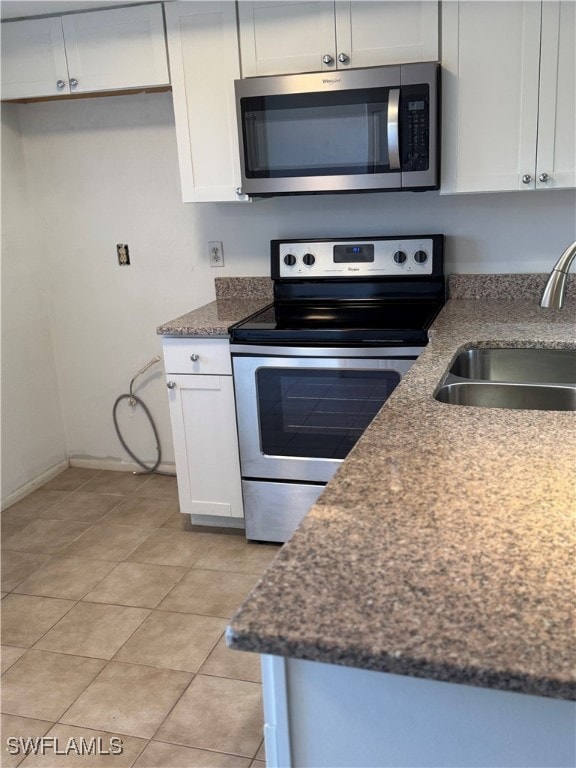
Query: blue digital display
[{"x": 353, "y": 254}]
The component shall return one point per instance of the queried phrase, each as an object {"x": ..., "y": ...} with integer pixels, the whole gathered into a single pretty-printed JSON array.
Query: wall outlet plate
[
  {"x": 216, "y": 253},
  {"x": 123, "y": 254}
]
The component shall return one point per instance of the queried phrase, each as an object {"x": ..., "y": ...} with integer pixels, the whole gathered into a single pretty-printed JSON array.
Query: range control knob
[
  {"x": 308, "y": 259},
  {"x": 289, "y": 259},
  {"x": 420, "y": 257},
  {"x": 399, "y": 257}
]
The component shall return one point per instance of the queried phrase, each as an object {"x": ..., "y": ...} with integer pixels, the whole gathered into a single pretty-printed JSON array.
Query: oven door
[{"x": 300, "y": 411}]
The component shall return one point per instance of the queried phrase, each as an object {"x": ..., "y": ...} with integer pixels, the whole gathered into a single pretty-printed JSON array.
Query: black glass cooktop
[{"x": 369, "y": 322}]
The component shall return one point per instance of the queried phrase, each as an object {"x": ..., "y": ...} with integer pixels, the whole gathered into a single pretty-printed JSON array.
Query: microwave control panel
[
  {"x": 355, "y": 258},
  {"x": 415, "y": 127}
]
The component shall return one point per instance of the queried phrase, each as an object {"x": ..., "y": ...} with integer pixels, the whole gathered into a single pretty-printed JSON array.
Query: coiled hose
[{"x": 134, "y": 400}]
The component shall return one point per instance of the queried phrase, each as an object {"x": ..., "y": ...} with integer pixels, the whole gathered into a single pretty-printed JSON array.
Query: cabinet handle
[
  {"x": 343, "y": 58},
  {"x": 327, "y": 59},
  {"x": 544, "y": 177},
  {"x": 73, "y": 82},
  {"x": 194, "y": 358},
  {"x": 60, "y": 84},
  {"x": 526, "y": 179},
  {"x": 171, "y": 384}
]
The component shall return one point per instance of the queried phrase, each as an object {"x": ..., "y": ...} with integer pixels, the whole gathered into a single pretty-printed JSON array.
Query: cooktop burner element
[{"x": 372, "y": 291}]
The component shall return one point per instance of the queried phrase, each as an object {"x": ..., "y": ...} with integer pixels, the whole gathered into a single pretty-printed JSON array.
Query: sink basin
[
  {"x": 518, "y": 365},
  {"x": 519, "y": 396},
  {"x": 525, "y": 378}
]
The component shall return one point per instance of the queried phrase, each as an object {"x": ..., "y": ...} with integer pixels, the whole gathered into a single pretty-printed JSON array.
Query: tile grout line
[
  {"x": 56, "y": 622},
  {"x": 55, "y": 653},
  {"x": 50, "y": 558},
  {"x": 79, "y": 599},
  {"x": 73, "y": 725},
  {"x": 207, "y": 749}
]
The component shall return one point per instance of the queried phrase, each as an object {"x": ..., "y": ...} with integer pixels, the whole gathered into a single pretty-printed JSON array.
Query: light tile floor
[{"x": 113, "y": 617}]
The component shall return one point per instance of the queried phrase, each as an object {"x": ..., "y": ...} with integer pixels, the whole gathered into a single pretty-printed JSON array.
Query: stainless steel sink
[
  {"x": 521, "y": 378},
  {"x": 517, "y": 365},
  {"x": 520, "y": 396}
]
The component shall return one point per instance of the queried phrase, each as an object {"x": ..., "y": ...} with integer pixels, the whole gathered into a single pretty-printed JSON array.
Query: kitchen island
[{"x": 422, "y": 614}]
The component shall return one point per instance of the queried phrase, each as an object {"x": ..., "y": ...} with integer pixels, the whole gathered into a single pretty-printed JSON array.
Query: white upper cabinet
[
  {"x": 98, "y": 51},
  {"x": 290, "y": 36},
  {"x": 279, "y": 37},
  {"x": 374, "y": 33},
  {"x": 556, "y": 148},
  {"x": 33, "y": 59},
  {"x": 508, "y": 95},
  {"x": 204, "y": 62}
]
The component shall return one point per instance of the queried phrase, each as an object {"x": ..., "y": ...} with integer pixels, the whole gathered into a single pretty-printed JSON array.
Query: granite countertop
[
  {"x": 236, "y": 298},
  {"x": 443, "y": 547}
]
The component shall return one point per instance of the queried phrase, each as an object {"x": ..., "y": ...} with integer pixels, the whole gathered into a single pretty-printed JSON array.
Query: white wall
[
  {"x": 32, "y": 427},
  {"x": 105, "y": 171}
]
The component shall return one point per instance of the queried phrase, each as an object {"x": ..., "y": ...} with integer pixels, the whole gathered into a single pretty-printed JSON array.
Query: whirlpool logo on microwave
[{"x": 331, "y": 80}]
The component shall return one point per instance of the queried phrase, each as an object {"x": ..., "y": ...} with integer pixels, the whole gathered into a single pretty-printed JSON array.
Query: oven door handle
[
  {"x": 239, "y": 350},
  {"x": 393, "y": 134}
]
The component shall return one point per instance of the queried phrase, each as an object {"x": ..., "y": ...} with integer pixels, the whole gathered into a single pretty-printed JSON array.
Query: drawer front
[{"x": 203, "y": 356}]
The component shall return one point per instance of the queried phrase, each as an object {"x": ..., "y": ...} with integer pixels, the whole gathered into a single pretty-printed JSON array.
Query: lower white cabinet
[{"x": 203, "y": 416}]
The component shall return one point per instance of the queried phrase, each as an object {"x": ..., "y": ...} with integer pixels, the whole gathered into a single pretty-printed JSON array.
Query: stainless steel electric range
[{"x": 312, "y": 369}]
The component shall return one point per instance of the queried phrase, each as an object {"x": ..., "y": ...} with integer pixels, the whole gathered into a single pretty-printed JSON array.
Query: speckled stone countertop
[
  {"x": 236, "y": 298},
  {"x": 443, "y": 547}
]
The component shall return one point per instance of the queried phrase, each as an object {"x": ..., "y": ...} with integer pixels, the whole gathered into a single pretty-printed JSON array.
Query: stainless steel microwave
[{"x": 356, "y": 130}]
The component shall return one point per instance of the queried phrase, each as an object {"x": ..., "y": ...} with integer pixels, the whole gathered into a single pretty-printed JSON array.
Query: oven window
[
  {"x": 316, "y": 134},
  {"x": 317, "y": 413}
]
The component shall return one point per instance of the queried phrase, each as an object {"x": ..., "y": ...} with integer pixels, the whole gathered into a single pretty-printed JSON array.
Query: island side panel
[{"x": 338, "y": 717}]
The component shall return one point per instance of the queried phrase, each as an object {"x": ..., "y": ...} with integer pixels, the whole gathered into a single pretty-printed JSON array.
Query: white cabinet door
[
  {"x": 84, "y": 52},
  {"x": 284, "y": 36},
  {"x": 203, "y": 419},
  {"x": 279, "y": 37},
  {"x": 509, "y": 95},
  {"x": 204, "y": 62},
  {"x": 33, "y": 59},
  {"x": 370, "y": 34},
  {"x": 490, "y": 58},
  {"x": 556, "y": 155},
  {"x": 116, "y": 49}
]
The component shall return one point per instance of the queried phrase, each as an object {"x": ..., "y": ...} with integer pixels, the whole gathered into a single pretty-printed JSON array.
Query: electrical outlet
[
  {"x": 123, "y": 254},
  {"x": 216, "y": 253}
]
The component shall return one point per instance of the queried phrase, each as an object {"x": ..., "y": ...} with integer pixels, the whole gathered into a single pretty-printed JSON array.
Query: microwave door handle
[
  {"x": 393, "y": 142},
  {"x": 376, "y": 135}
]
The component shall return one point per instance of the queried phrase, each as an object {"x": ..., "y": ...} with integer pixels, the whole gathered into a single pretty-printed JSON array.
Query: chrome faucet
[{"x": 553, "y": 296}]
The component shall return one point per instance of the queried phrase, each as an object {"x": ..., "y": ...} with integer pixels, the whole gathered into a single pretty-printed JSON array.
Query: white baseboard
[
  {"x": 116, "y": 465},
  {"x": 27, "y": 488}
]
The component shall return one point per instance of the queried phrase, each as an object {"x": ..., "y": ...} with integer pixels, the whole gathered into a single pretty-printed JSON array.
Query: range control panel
[{"x": 357, "y": 257}]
